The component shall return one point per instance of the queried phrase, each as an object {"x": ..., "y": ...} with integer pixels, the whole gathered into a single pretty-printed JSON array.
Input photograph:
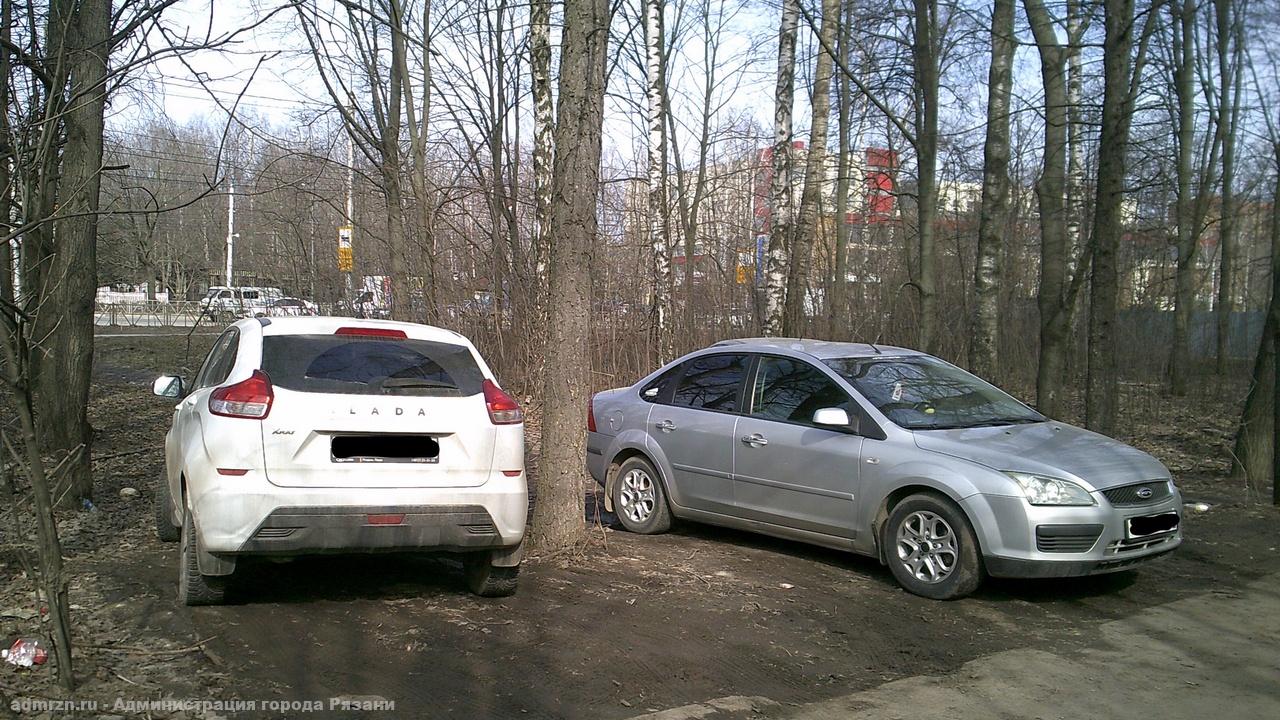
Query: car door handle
[
  {"x": 756, "y": 440},
  {"x": 666, "y": 426}
]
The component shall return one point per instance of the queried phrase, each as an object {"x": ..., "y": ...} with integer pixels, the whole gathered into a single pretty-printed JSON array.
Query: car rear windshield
[{"x": 370, "y": 366}]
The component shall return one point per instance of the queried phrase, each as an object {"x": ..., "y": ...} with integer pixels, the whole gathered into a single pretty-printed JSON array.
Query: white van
[{"x": 222, "y": 302}]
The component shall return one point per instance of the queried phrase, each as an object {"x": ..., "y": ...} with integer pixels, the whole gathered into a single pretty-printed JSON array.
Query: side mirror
[
  {"x": 651, "y": 392},
  {"x": 169, "y": 386},
  {"x": 832, "y": 417}
]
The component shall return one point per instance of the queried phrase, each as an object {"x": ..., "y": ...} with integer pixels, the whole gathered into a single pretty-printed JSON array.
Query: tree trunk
[
  {"x": 1183, "y": 13},
  {"x": 924, "y": 53},
  {"x": 1255, "y": 446},
  {"x": 993, "y": 219},
  {"x": 659, "y": 247},
  {"x": 558, "y": 505},
  {"x": 1228, "y": 116},
  {"x": 815, "y": 177},
  {"x": 65, "y": 316},
  {"x": 1101, "y": 401},
  {"x": 780, "y": 213},
  {"x": 543, "y": 129},
  {"x": 390, "y": 147},
  {"x": 1051, "y": 189},
  {"x": 838, "y": 306}
]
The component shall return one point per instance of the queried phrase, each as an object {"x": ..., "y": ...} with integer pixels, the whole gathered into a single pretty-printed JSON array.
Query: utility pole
[{"x": 231, "y": 225}]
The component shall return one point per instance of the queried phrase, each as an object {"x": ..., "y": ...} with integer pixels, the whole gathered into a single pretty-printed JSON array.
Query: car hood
[{"x": 1048, "y": 448}]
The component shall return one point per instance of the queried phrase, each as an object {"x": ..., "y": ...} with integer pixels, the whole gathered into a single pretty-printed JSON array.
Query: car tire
[
  {"x": 486, "y": 580},
  {"x": 194, "y": 588},
  {"x": 165, "y": 529},
  {"x": 639, "y": 499},
  {"x": 931, "y": 548}
]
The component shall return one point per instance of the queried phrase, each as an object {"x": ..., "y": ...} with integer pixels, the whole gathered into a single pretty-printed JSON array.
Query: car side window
[
  {"x": 217, "y": 366},
  {"x": 789, "y": 390},
  {"x": 712, "y": 382},
  {"x": 660, "y": 389}
]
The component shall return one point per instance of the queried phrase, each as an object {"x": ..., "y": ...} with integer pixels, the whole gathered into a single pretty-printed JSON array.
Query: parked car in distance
[
  {"x": 307, "y": 435},
  {"x": 881, "y": 451},
  {"x": 290, "y": 307}
]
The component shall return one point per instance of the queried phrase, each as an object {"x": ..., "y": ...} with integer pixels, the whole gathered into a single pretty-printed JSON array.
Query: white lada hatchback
[{"x": 334, "y": 435}]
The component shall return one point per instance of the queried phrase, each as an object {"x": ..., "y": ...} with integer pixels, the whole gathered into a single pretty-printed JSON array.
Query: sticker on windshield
[{"x": 897, "y": 392}]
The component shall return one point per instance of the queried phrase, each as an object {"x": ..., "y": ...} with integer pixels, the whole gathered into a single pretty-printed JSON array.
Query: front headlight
[{"x": 1042, "y": 490}]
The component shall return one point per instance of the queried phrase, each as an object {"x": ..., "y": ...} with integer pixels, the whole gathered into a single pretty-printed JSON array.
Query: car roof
[
  {"x": 820, "y": 349},
  {"x": 327, "y": 325}
]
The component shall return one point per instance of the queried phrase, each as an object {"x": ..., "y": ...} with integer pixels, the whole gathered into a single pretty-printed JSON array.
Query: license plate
[{"x": 1147, "y": 525}]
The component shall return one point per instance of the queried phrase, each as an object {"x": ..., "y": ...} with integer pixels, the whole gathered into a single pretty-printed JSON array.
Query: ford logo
[{"x": 1145, "y": 493}]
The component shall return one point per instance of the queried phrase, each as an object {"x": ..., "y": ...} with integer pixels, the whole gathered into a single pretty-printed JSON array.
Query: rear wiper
[{"x": 391, "y": 383}]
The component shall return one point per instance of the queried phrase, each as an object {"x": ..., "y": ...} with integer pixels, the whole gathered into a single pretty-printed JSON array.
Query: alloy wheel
[
  {"x": 637, "y": 497},
  {"x": 927, "y": 546}
]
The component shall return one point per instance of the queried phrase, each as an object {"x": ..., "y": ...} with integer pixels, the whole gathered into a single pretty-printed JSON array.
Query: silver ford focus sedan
[{"x": 881, "y": 451}]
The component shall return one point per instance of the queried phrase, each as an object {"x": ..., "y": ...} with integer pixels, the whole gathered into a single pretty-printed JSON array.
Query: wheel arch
[
  {"x": 615, "y": 464},
  {"x": 902, "y": 492}
]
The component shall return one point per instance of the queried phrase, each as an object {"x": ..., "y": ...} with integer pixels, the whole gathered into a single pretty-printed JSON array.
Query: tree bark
[
  {"x": 558, "y": 506},
  {"x": 1256, "y": 438},
  {"x": 1101, "y": 400},
  {"x": 780, "y": 221},
  {"x": 925, "y": 51},
  {"x": 1229, "y": 77},
  {"x": 815, "y": 177},
  {"x": 64, "y": 319},
  {"x": 659, "y": 247},
  {"x": 838, "y": 305},
  {"x": 1055, "y": 298},
  {"x": 994, "y": 215},
  {"x": 1183, "y": 13}
]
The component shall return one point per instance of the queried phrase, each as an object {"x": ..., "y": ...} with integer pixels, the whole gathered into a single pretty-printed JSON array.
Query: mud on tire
[
  {"x": 486, "y": 580},
  {"x": 165, "y": 529},
  {"x": 194, "y": 588}
]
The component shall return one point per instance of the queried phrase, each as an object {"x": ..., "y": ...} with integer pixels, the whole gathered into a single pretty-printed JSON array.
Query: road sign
[{"x": 345, "y": 256}]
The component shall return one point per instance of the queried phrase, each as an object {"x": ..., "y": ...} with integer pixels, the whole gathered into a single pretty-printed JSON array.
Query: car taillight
[
  {"x": 372, "y": 332},
  {"x": 591, "y": 414},
  {"x": 503, "y": 409},
  {"x": 250, "y": 398}
]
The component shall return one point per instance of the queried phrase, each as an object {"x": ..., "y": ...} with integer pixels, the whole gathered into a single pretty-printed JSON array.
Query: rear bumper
[
  {"x": 231, "y": 513},
  {"x": 306, "y": 530}
]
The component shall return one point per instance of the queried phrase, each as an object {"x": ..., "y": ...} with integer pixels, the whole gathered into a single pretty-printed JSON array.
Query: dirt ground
[{"x": 628, "y": 625}]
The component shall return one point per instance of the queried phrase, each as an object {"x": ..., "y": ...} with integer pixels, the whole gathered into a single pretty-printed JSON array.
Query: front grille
[
  {"x": 1131, "y": 495},
  {"x": 1066, "y": 538}
]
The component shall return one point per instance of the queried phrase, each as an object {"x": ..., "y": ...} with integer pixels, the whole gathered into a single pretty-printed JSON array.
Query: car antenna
[{"x": 873, "y": 347}]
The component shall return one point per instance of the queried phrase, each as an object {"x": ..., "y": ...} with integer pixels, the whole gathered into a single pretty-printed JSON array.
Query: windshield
[{"x": 919, "y": 392}]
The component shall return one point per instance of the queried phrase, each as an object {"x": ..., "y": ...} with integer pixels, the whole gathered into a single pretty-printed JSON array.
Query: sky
[{"x": 267, "y": 69}]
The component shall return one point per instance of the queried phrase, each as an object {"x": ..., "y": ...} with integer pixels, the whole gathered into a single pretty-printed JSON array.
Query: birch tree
[
  {"x": 780, "y": 220},
  {"x": 543, "y": 138},
  {"x": 1059, "y": 285},
  {"x": 659, "y": 247},
  {"x": 815, "y": 177}
]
